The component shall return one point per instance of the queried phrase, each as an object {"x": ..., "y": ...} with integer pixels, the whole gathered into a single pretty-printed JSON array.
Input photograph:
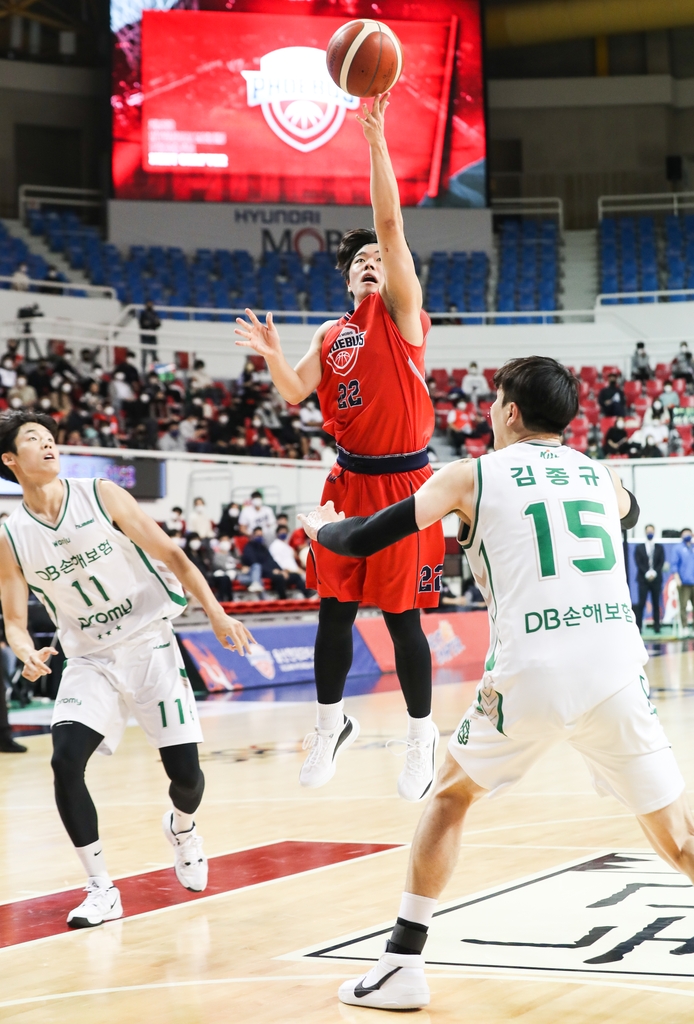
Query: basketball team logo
[
  {"x": 262, "y": 661},
  {"x": 299, "y": 100},
  {"x": 344, "y": 351}
]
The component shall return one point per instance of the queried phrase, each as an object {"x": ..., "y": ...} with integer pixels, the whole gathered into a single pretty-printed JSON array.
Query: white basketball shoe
[
  {"x": 417, "y": 776},
  {"x": 102, "y": 903},
  {"x": 323, "y": 747},
  {"x": 190, "y": 863},
  {"x": 397, "y": 982}
]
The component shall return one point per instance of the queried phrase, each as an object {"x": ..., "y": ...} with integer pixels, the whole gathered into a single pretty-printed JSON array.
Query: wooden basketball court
[{"x": 295, "y": 870}]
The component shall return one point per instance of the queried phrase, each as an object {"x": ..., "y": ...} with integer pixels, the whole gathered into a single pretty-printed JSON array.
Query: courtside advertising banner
[{"x": 233, "y": 102}]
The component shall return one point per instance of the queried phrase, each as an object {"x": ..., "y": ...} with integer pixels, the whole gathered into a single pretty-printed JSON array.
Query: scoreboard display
[{"x": 232, "y": 102}]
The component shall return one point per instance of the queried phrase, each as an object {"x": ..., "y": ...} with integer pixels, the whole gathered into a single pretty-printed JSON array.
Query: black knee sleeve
[
  {"x": 334, "y": 648},
  {"x": 182, "y": 765},
  {"x": 412, "y": 660},
  {"x": 73, "y": 745}
]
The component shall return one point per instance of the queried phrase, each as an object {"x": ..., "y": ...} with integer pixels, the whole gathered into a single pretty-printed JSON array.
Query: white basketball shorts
[
  {"x": 621, "y": 740},
  {"x": 144, "y": 677}
]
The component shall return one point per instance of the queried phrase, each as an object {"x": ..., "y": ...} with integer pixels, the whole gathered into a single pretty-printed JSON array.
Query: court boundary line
[{"x": 262, "y": 979}]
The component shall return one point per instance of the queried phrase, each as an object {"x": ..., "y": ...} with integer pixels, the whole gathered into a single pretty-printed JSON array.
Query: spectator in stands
[
  {"x": 669, "y": 397},
  {"x": 640, "y": 363},
  {"x": 198, "y": 553},
  {"x": 481, "y": 428},
  {"x": 128, "y": 367},
  {"x": 224, "y": 568},
  {"x": 256, "y": 514},
  {"x": 175, "y": 523},
  {"x": 300, "y": 545},
  {"x": 459, "y": 422},
  {"x": 593, "y": 449},
  {"x": 8, "y": 373},
  {"x": 149, "y": 324},
  {"x": 199, "y": 521},
  {"x": 474, "y": 384},
  {"x": 616, "y": 439},
  {"x": 119, "y": 390},
  {"x": 20, "y": 280},
  {"x": 657, "y": 423},
  {"x": 682, "y": 364},
  {"x": 171, "y": 441},
  {"x": 219, "y": 433},
  {"x": 40, "y": 377},
  {"x": 611, "y": 398},
  {"x": 292, "y": 436},
  {"x": 675, "y": 444},
  {"x": 262, "y": 565},
  {"x": 311, "y": 417},
  {"x": 199, "y": 379},
  {"x": 268, "y": 415},
  {"x": 283, "y": 553},
  {"x": 650, "y": 558},
  {"x": 229, "y": 523},
  {"x": 24, "y": 392},
  {"x": 190, "y": 428},
  {"x": 52, "y": 279},
  {"x": 682, "y": 566},
  {"x": 651, "y": 450}
]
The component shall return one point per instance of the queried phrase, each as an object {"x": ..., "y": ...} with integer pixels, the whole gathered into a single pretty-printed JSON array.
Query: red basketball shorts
[{"x": 403, "y": 576}]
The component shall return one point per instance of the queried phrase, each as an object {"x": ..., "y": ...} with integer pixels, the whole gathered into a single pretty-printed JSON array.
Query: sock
[
  {"x": 412, "y": 926},
  {"x": 182, "y": 822},
  {"x": 94, "y": 863},
  {"x": 419, "y": 728},
  {"x": 329, "y": 716}
]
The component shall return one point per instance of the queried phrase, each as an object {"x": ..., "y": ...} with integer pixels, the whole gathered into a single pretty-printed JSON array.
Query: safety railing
[
  {"x": 530, "y": 206},
  {"x": 33, "y": 286},
  {"x": 636, "y": 298},
  {"x": 36, "y": 196},
  {"x": 646, "y": 202}
]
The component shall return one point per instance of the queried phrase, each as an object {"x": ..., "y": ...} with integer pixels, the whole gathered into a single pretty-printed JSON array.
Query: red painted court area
[{"x": 43, "y": 916}]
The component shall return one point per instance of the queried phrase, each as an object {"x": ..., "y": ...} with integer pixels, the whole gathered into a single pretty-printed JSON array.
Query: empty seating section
[
  {"x": 629, "y": 257},
  {"x": 457, "y": 282},
  {"x": 14, "y": 253},
  {"x": 679, "y": 254},
  {"x": 528, "y": 268}
]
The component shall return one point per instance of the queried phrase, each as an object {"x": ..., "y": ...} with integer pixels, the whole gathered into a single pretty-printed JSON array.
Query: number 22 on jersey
[{"x": 538, "y": 513}]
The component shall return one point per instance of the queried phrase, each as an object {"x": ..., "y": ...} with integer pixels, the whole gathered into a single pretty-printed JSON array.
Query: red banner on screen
[{"x": 237, "y": 106}]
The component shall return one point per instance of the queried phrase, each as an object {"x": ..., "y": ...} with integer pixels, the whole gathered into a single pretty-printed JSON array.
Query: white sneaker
[
  {"x": 190, "y": 862},
  {"x": 99, "y": 905},
  {"x": 416, "y": 778},
  {"x": 255, "y": 588},
  {"x": 319, "y": 766},
  {"x": 397, "y": 982}
]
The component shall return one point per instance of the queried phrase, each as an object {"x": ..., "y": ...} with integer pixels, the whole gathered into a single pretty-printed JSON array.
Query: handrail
[
  {"x": 658, "y": 296},
  {"x": 530, "y": 206},
  {"x": 641, "y": 202},
  {"x": 52, "y": 194},
  {"x": 97, "y": 291}
]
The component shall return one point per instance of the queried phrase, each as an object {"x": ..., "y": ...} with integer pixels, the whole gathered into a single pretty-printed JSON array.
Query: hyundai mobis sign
[{"x": 236, "y": 105}]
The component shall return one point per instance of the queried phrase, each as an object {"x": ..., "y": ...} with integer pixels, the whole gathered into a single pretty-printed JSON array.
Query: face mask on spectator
[
  {"x": 106, "y": 429},
  {"x": 282, "y": 534},
  {"x": 21, "y": 382},
  {"x": 66, "y": 388},
  {"x": 687, "y": 538},
  {"x": 224, "y": 546},
  {"x": 16, "y": 403},
  {"x": 223, "y": 419},
  {"x": 194, "y": 545},
  {"x": 258, "y": 502},
  {"x": 296, "y": 424},
  {"x": 109, "y": 410},
  {"x": 234, "y": 511},
  {"x": 649, "y": 534},
  {"x": 620, "y": 424},
  {"x": 199, "y": 504},
  {"x": 257, "y": 422},
  {"x": 56, "y": 381},
  {"x": 174, "y": 432},
  {"x": 45, "y": 403},
  {"x": 8, "y": 364},
  {"x": 181, "y": 541}
]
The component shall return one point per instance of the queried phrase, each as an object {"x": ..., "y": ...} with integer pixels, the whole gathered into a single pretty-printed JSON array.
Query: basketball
[{"x": 364, "y": 58}]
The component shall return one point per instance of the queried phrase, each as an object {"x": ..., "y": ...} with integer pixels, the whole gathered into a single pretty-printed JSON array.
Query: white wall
[
  {"x": 98, "y": 311},
  {"x": 306, "y": 228}
]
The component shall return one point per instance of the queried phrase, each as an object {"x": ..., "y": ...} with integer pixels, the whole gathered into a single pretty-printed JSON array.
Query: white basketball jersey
[
  {"x": 545, "y": 547},
  {"x": 96, "y": 584}
]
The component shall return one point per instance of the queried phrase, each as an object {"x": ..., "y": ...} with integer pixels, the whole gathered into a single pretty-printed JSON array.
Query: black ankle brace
[{"x": 407, "y": 938}]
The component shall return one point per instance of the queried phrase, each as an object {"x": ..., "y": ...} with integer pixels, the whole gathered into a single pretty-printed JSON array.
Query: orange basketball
[{"x": 364, "y": 58}]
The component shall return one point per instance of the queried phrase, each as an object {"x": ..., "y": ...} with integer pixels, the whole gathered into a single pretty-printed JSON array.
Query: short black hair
[
  {"x": 685, "y": 529},
  {"x": 545, "y": 392},
  {"x": 257, "y": 494},
  {"x": 350, "y": 244},
  {"x": 10, "y": 422}
]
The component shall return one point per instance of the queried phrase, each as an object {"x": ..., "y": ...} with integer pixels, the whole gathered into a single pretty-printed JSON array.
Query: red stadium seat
[
  {"x": 442, "y": 411},
  {"x": 590, "y": 375},
  {"x": 687, "y": 401},
  {"x": 607, "y": 370},
  {"x": 485, "y": 407},
  {"x": 654, "y": 387},
  {"x": 441, "y": 378},
  {"x": 606, "y": 422},
  {"x": 583, "y": 390},
  {"x": 579, "y": 442},
  {"x": 679, "y": 385},
  {"x": 591, "y": 411},
  {"x": 475, "y": 448},
  {"x": 662, "y": 371},
  {"x": 457, "y": 376},
  {"x": 640, "y": 405},
  {"x": 632, "y": 390},
  {"x": 488, "y": 375},
  {"x": 579, "y": 424}
]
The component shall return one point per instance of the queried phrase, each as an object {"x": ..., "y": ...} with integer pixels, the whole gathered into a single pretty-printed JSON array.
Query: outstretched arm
[
  {"x": 15, "y": 596},
  {"x": 296, "y": 384},
  {"x": 402, "y": 292},
  {"x": 143, "y": 531},
  {"x": 450, "y": 490}
]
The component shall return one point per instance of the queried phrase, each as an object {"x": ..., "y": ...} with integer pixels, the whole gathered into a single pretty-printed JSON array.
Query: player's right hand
[
  {"x": 263, "y": 338},
  {"x": 320, "y": 516},
  {"x": 35, "y": 666}
]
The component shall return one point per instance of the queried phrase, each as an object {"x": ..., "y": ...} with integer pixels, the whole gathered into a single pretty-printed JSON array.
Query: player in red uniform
[{"x": 368, "y": 369}]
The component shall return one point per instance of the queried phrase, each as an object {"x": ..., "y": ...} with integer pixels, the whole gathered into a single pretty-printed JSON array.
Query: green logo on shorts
[{"x": 464, "y": 732}]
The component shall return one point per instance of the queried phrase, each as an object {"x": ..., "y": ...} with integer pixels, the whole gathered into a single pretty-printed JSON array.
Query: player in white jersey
[
  {"x": 541, "y": 528},
  {"x": 111, "y": 580}
]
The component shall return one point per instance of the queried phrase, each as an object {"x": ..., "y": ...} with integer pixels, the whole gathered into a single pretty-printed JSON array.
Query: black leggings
[
  {"x": 333, "y": 655},
  {"x": 74, "y": 744}
]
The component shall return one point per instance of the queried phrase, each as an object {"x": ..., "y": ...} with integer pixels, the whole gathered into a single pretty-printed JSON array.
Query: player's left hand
[
  {"x": 320, "y": 516},
  {"x": 232, "y": 634},
  {"x": 372, "y": 121}
]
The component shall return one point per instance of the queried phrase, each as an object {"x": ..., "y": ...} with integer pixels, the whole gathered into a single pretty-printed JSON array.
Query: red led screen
[{"x": 236, "y": 105}]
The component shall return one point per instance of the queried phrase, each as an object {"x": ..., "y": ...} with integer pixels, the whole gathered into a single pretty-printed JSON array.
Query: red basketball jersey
[{"x": 373, "y": 392}]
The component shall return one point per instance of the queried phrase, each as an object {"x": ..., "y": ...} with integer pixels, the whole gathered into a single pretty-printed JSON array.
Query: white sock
[
  {"x": 417, "y": 909},
  {"x": 182, "y": 822},
  {"x": 419, "y": 728},
  {"x": 94, "y": 863},
  {"x": 329, "y": 716}
]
